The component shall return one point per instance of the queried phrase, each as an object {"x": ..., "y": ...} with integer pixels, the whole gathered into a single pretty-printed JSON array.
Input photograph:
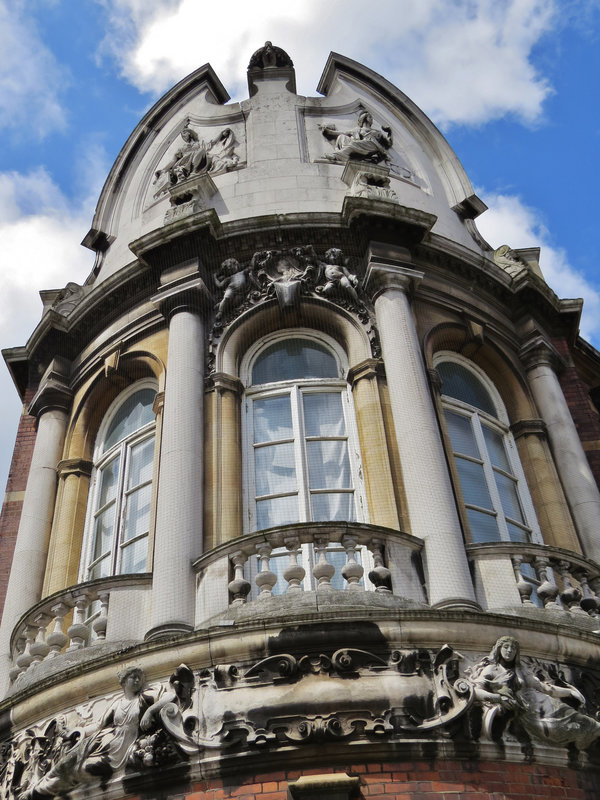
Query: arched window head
[
  {"x": 302, "y": 462},
  {"x": 496, "y": 498},
  {"x": 118, "y": 520}
]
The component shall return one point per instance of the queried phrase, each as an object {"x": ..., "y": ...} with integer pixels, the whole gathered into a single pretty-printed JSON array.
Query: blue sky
[{"x": 513, "y": 84}]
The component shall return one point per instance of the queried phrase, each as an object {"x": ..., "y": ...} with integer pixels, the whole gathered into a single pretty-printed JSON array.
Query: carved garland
[{"x": 288, "y": 276}]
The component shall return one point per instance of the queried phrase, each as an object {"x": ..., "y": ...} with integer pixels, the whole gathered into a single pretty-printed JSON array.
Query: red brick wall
[
  {"x": 422, "y": 781},
  {"x": 11, "y": 508},
  {"x": 587, "y": 420}
]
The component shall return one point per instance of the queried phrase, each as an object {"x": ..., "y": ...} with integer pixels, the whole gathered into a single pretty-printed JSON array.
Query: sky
[{"x": 512, "y": 84}]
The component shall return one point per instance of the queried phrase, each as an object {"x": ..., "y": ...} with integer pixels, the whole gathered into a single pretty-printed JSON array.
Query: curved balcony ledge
[
  {"x": 313, "y": 566},
  {"x": 536, "y": 579},
  {"x": 40, "y": 645}
]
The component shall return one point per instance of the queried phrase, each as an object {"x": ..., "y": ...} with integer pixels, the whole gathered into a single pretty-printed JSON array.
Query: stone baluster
[
  {"x": 589, "y": 601},
  {"x": 266, "y": 579},
  {"x": 294, "y": 573},
  {"x": 101, "y": 621},
  {"x": 524, "y": 587},
  {"x": 323, "y": 571},
  {"x": 548, "y": 590},
  {"x": 24, "y": 660},
  {"x": 390, "y": 280},
  {"x": 16, "y": 670},
  {"x": 380, "y": 576},
  {"x": 79, "y": 632},
  {"x": 57, "y": 638},
  {"x": 239, "y": 587},
  {"x": 570, "y": 595},
  {"x": 40, "y": 648},
  {"x": 352, "y": 570}
]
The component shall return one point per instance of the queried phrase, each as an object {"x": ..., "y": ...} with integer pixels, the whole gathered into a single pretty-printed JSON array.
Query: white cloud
[
  {"x": 30, "y": 77},
  {"x": 463, "y": 61},
  {"x": 509, "y": 221}
]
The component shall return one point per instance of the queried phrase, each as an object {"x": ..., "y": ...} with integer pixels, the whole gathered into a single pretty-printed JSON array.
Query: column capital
[
  {"x": 188, "y": 293},
  {"x": 381, "y": 276},
  {"x": 537, "y": 351},
  {"x": 223, "y": 382},
  {"x": 74, "y": 466},
  {"x": 529, "y": 427},
  {"x": 54, "y": 391},
  {"x": 369, "y": 368}
]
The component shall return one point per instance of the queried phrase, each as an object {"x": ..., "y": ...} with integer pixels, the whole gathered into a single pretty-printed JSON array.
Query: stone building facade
[{"x": 304, "y": 502}]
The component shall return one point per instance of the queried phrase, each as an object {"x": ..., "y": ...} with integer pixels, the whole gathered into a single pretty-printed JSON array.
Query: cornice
[{"x": 54, "y": 392}]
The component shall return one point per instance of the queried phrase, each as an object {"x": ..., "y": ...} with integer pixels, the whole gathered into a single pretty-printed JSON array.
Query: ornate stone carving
[
  {"x": 289, "y": 275},
  {"x": 196, "y": 156},
  {"x": 509, "y": 261},
  {"x": 269, "y": 56},
  {"x": 371, "y": 181},
  {"x": 514, "y": 697},
  {"x": 361, "y": 143},
  {"x": 68, "y": 299}
]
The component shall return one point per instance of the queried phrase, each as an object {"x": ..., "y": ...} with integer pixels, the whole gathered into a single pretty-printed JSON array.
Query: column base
[
  {"x": 168, "y": 629},
  {"x": 457, "y": 604}
]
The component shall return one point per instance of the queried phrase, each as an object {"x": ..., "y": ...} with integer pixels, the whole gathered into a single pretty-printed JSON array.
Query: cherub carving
[
  {"x": 236, "y": 281},
  {"x": 339, "y": 280}
]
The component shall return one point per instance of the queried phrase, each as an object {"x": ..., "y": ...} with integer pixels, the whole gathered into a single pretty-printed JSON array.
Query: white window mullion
[
  {"x": 121, "y": 506},
  {"x": 301, "y": 458}
]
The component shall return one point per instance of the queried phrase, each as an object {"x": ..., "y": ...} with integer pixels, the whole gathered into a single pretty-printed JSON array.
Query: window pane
[
  {"x": 103, "y": 533},
  {"x": 277, "y": 511},
  {"x": 275, "y": 469},
  {"x": 103, "y": 569},
  {"x": 473, "y": 483},
  {"x": 507, "y": 489},
  {"x": 323, "y": 414},
  {"x": 293, "y": 359},
  {"x": 463, "y": 385},
  {"x": 328, "y": 465},
  {"x": 135, "y": 412},
  {"x": 272, "y": 419},
  {"x": 109, "y": 476},
  {"x": 137, "y": 514},
  {"x": 140, "y": 462},
  {"x": 332, "y": 507},
  {"x": 133, "y": 557},
  {"x": 495, "y": 444},
  {"x": 461, "y": 435},
  {"x": 484, "y": 527},
  {"x": 517, "y": 534}
]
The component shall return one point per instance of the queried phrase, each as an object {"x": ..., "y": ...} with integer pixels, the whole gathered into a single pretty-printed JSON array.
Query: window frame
[
  {"x": 121, "y": 450},
  {"x": 296, "y": 389},
  {"x": 499, "y": 424}
]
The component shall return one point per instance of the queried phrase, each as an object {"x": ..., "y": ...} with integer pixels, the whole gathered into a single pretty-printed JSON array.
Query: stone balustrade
[
  {"x": 74, "y": 619},
  {"x": 510, "y": 574},
  {"x": 321, "y": 557}
]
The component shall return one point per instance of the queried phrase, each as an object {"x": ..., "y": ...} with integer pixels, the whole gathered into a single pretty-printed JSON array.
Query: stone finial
[{"x": 268, "y": 62}]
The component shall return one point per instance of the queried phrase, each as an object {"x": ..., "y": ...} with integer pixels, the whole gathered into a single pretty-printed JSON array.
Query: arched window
[
  {"x": 118, "y": 519},
  {"x": 302, "y": 463},
  {"x": 491, "y": 478}
]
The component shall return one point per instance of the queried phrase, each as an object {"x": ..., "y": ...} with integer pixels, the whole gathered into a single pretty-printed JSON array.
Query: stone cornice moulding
[
  {"x": 223, "y": 382},
  {"x": 54, "y": 391},
  {"x": 336, "y": 786},
  {"x": 74, "y": 466},
  {"x": 367, "y": 369}
]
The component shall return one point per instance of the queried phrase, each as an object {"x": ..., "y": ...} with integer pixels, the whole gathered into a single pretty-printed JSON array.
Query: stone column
[
  {"x": 429, "y": 496},
  {"x": 580, "y": 488},
  {"x": 179, "y": 511},
  {"x": 50, "y": 405}
]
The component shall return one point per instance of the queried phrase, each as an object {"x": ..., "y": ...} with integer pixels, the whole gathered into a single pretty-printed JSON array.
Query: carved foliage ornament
[
  {"x": 287, "y": 276},
  {"x": 285, "y": 700}
]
